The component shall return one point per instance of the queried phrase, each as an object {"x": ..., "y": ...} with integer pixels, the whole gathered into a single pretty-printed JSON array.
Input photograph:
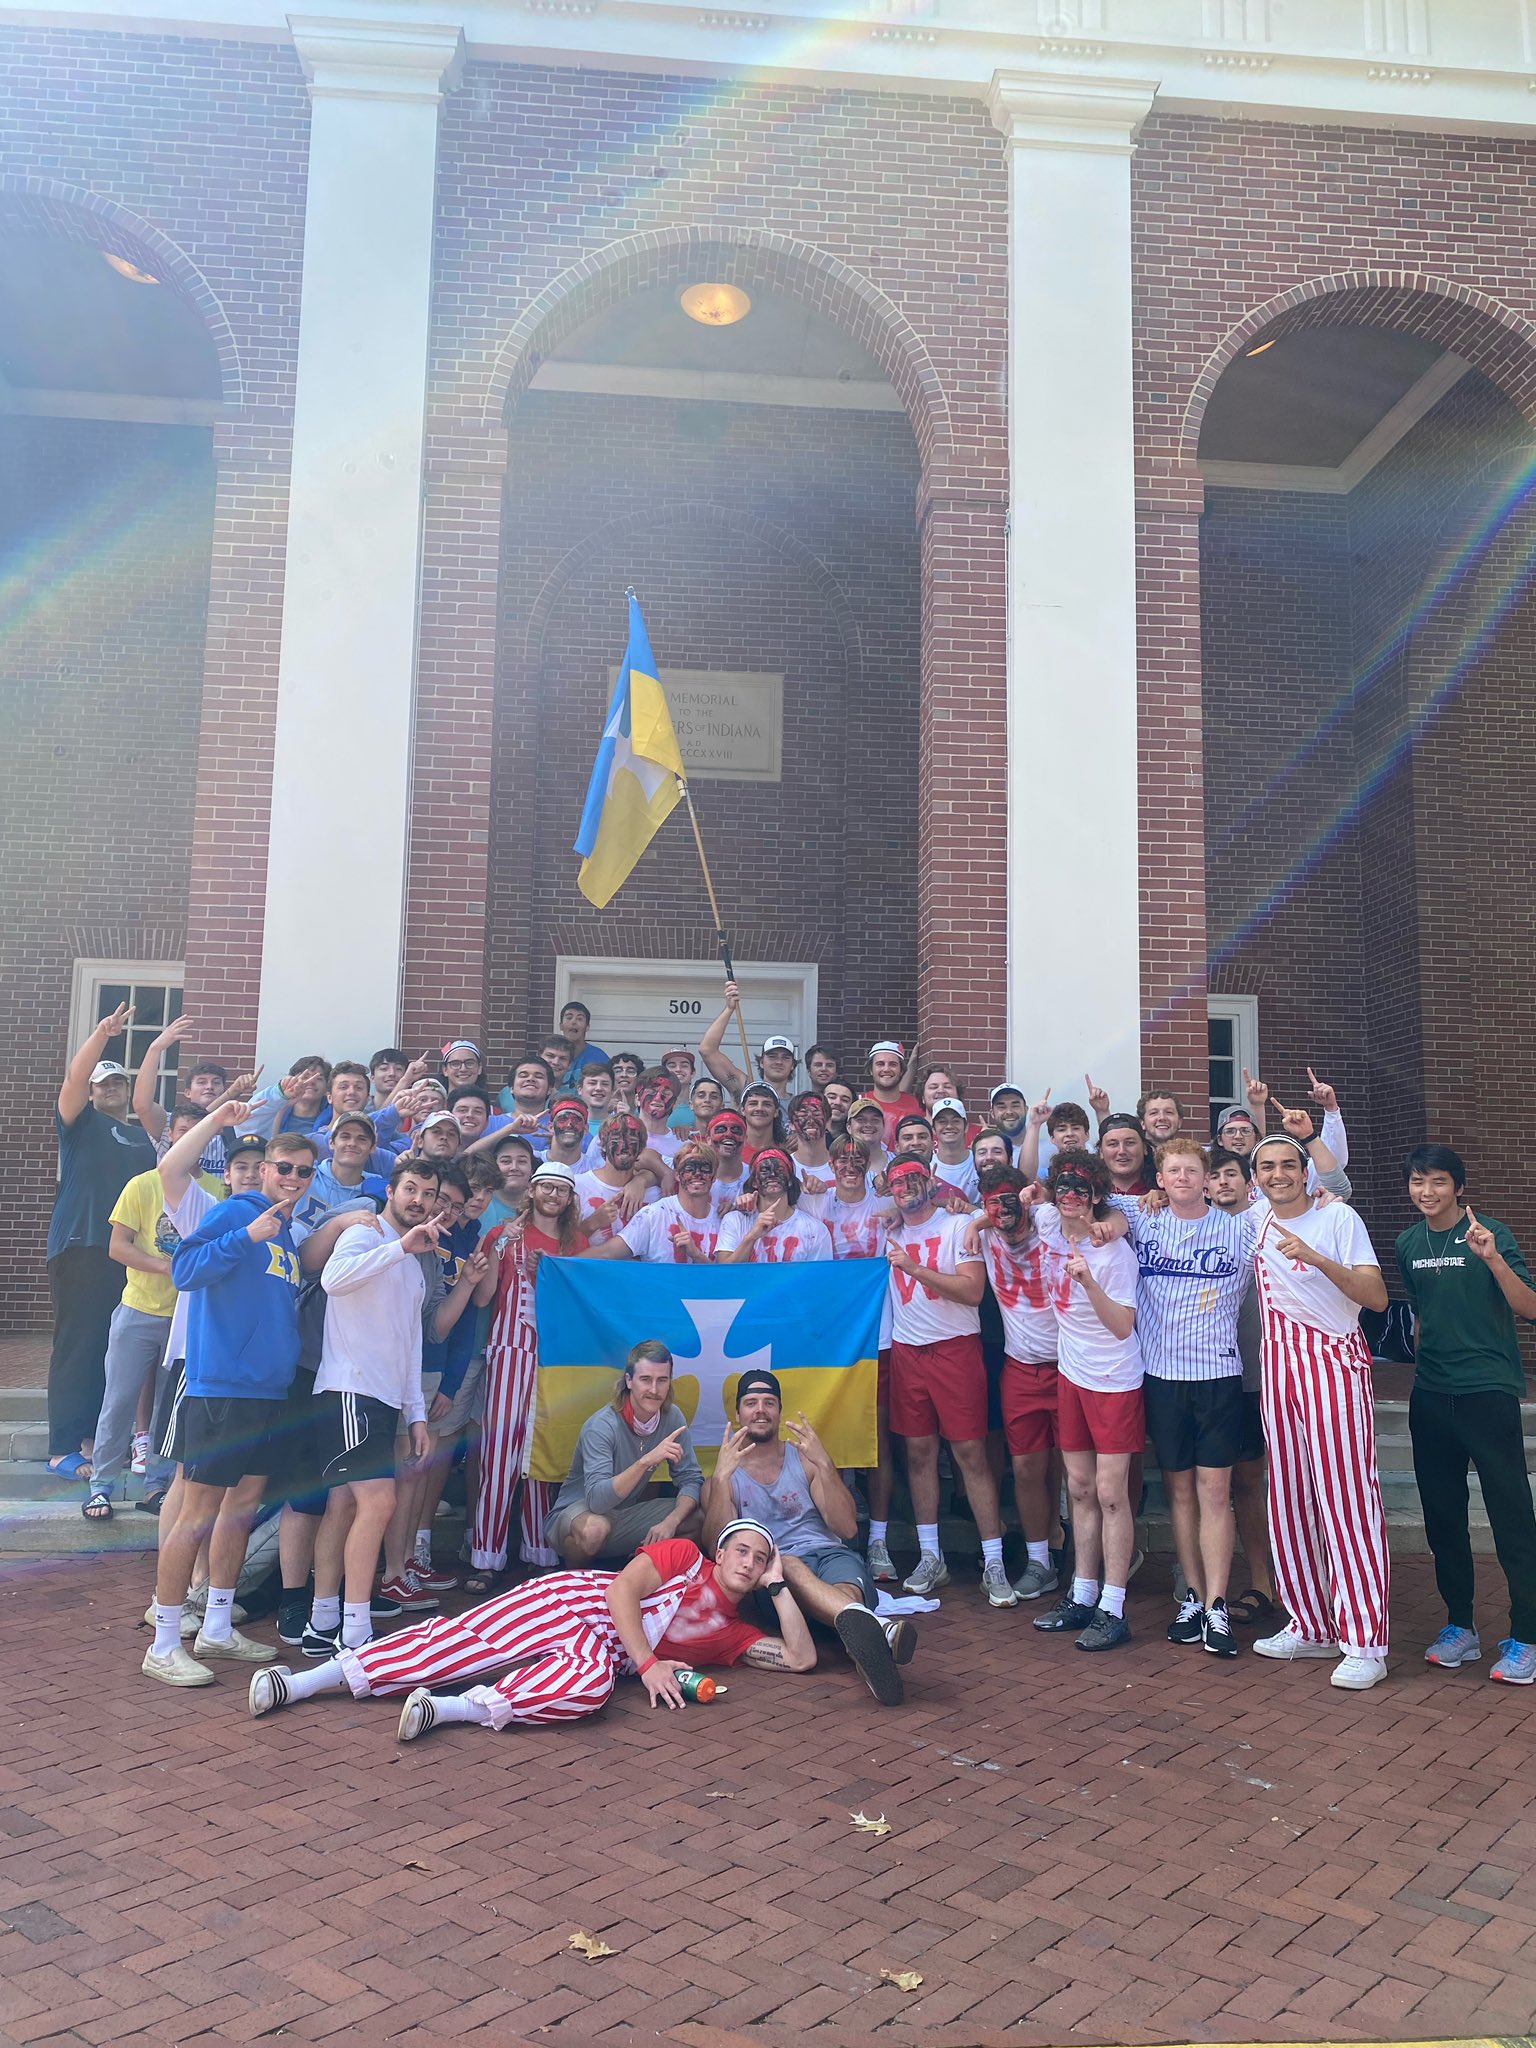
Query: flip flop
[
  {"x": 98, "y": 1508},
  {"x": 75, "y": 1466}
]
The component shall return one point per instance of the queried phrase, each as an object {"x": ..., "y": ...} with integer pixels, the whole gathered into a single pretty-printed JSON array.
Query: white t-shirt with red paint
[
  {"x": 857, "y": 1228},
  {"x": 1021, "y": 1281},
  {"x": 1089, "y": 1354},
  {"x": 918, "y": 1316},
  {"x": 649, "y": 1234},
  {"x": 728, "y": 1192},
  {"x": 592, "y": 1193},
  {"x": 1300, "y": 1291},
  {"x": 799, "y": 1238}
]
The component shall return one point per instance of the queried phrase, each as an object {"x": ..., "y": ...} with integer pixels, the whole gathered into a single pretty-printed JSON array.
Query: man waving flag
[{"x": 634, "y": 787}]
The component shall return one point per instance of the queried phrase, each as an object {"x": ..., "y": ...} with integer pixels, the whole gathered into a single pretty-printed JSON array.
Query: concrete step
[
  {"x": 22, "y": 1404},
  {"x": 56, "y": 1528},
  {"x": 26, "y": 1442}
]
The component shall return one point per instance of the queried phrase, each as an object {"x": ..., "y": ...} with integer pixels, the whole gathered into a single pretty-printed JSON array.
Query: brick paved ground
[{"x": 1143, "y": 1846}]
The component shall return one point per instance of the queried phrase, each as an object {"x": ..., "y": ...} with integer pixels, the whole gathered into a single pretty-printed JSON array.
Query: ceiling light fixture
[
  {"x": 715, "y": 305},
  {"x": 129, "y": 270},
  {"x": 1262, "y": 346}
]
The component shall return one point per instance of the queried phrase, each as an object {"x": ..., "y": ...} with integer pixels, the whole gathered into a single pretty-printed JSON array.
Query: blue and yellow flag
[
  {"x": 817, "y": 1326},
  {"x": 634, "y": 789}
]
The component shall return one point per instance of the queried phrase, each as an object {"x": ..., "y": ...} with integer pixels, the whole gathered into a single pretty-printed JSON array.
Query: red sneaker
[
  {"x": 412, "y": 1596},
  {"x": 432, "y": 1580}
]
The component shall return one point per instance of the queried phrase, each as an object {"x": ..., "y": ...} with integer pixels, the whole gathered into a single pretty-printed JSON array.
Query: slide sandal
[
  {"x": 75, "y": 1466},
  {"x": 98, "y": 1508}
]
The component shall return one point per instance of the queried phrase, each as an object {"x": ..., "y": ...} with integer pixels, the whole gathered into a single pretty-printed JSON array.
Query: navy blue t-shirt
[
  {"x": 451, "y": 1357},
  {"x": 98, "y": 1156}
]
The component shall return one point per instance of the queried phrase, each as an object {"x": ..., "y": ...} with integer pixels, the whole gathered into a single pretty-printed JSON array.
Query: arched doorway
[
  {"x": 1365, "y": 564},
  {"x": 775, "y": 491}
]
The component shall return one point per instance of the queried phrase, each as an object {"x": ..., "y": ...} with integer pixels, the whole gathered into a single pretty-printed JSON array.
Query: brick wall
[
  {"x": 104, "y": 539},
  {"x": 758, "y": 538}
]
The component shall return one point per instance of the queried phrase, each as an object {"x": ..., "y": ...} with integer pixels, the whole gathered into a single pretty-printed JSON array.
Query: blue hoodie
[{"x": 243, "y": 1306}]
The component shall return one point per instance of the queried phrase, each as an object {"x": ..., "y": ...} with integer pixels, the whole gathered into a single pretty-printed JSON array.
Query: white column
[
  {"x": 1074, "y": 994},
  {"x": 341, "y": 769}
]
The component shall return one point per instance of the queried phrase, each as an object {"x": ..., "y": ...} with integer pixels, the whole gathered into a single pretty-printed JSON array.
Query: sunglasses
[{"x": 283, "y": 1167}]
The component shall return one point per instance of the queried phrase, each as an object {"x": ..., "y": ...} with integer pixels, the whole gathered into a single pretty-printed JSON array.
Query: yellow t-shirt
[{"x": 141, "y": 1206}]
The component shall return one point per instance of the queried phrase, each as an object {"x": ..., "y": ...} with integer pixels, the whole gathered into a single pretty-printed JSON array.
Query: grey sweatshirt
[{"x": 608, "y": 1445}]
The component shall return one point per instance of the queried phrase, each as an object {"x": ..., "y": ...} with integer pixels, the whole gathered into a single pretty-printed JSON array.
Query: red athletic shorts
[
  {"x": 883, "y": 1379},
  {"x": 939, "y": 1389},
  {"x": 1029, "y": 1406},
  {"x": 1107, "y": 1423}
]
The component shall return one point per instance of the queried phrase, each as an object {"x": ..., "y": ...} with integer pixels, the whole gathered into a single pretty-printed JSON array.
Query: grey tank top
[{"x": 785, "y": 1509}]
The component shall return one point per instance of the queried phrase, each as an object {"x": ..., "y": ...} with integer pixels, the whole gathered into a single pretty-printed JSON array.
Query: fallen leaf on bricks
[
  {"x": 904, "y": 1980},
  {"x": 866, "y": 1826},
  {"x": 589, "y": 1946}
]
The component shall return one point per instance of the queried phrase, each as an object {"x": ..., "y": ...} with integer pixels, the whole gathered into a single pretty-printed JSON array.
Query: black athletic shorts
[
  {"x": 295, "y": 1477},
  {"x": 1194, "y": 1422},
  {"x": 1251, "y": 1449},
  {"x": 170, "y": 1399},
  {"x": 354, "y": 1437},
  {"x": 225, "y": 1439}
]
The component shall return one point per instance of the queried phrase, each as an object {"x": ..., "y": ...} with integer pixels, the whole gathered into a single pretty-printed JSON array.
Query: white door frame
[{"x": 703, "y": 980}]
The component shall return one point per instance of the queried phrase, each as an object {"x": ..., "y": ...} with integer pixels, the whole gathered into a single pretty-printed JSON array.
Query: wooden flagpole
[{"x": 720, "y": 938}]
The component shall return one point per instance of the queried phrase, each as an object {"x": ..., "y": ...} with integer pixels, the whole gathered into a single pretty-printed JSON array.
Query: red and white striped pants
[
  {"x": 511, "y": 1376},
  {"x": 1326, "y": 1524},
  {"x": 558, "y": 1631}
]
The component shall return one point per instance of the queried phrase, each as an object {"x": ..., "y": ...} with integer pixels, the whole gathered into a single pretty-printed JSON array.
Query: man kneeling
[
  {"x": 570, "y": 1637},
  {"x": 796, "y": 1492},
  {"x": 613, "y": 1501}
]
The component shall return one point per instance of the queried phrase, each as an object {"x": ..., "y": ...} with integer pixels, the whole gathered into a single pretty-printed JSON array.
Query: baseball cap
[
  {"x": 356, "y": 1116},
  {"x": 108, "y": 1070},
  {"x": 948, "y": 1102},
  {"x": 864, "y": 1102},
  {"x": 759, "y": 1376},
  {"x": 888, "y": 1045},
  {"x": 439, "y": 1116},
  {"x": 461, "y": 1045},
  {"x": 243, "y": 1148},
  {"x": 552, "y": 1170},
  {"x": 781, "y": 1045},
  {"x": 1006, "y": 1088},
  {"x": 678, "y": 1052},
  {"x": 1232, "y": 1111}
]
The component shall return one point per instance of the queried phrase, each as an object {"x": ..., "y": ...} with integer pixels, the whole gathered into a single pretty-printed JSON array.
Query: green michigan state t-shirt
[{"x": 1465, "y": 1342}]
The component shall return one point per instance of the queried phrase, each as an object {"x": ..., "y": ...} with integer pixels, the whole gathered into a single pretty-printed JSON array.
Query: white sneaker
[
  {"x": 416, "y": 1716},
  {"x": 1358, "y": 1674},
  {"x": 998, "y": 1588},
  {"x": 878, "y": 1558},
  {"x": 138, "y": 1464},
  {"x": 1291, "y": 1644},
  {"x": 179, "y": 1668},
  {"x": 238, "y": 1649},
  {"x": 931, "y": 1573}
]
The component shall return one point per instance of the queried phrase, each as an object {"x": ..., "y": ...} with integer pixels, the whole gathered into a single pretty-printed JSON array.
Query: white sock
[
  {"x": 423, "y": 1551},
  {"x": 992, "y": 1551},
  {"x": 356, "y": 1624},
  {"x": 1039, "y": 1553},
  {"x": 218, "y": 1616},
  {"x": 928, "y": 1538},
  {"x": 877, "y": 1531},
  {"x": 167, "y": 1628},
  {"x": 325, "y": 1613},
  {"x": 1112, "y": 1600},
  {"x": 1086, "y": 1592},
  {"x": 452, "y": 1706},
  {"x": 326, "y": 1677}
]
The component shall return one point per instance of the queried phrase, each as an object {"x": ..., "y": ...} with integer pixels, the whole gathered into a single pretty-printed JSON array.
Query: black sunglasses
[{"x": 283, "y": 1167}]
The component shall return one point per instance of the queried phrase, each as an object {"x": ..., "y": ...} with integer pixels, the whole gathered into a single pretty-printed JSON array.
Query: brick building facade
[{"x": 1329, "y": 813}]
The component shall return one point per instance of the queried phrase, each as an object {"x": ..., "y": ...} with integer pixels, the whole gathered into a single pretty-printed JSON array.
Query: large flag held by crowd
[{"x": 817, "y": 1326}]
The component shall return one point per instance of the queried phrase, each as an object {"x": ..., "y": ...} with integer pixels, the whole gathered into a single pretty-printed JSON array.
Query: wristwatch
[{"x": 773, "y": 1588}]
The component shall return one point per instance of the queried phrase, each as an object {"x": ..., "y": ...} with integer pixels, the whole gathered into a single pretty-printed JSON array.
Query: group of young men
[{"x": 330, "y": 1299}]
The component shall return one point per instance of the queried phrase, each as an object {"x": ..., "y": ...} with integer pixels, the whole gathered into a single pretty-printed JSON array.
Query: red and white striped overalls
[
  {"x": 558, "y": 1631},
  {"x": 511, "y": 1379},
  {"x": 1326, "y": 1523}
]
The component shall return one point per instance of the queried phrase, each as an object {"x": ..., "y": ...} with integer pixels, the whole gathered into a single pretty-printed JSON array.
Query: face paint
[
  {"x": 1075, "y": 1184},
  {"x": 907, "y": 1180},
  {"x": 658, "y": 1101},
  {"x": 695, "y": 1169},
  {"x": 622, "y": 1140},
  {"x": 810, "y": 1116},
  {"x": 1003, "y": 1209}
]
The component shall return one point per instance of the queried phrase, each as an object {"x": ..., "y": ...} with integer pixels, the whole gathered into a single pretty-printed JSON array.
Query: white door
[{"x": 648, "y": 1006}]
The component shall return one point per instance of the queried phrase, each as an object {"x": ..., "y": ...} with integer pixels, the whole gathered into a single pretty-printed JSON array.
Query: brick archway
[{"x": 75, "y": 215}]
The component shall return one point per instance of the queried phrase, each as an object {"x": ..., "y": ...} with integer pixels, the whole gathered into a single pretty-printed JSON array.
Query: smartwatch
[{"x": 773, "y": 1588}]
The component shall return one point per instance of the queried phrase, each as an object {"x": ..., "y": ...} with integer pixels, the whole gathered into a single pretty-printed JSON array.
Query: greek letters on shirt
[{"x": 282, "y": 1264}]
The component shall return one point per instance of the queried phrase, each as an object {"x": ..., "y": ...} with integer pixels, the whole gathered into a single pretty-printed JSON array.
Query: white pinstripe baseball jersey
[{"x": 1191, "y": 1278}]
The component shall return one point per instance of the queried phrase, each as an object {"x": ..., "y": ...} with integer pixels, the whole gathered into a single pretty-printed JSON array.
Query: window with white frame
[
  {"x": 1233, "y": 1029},
  {"x": 153, "y": 988}
]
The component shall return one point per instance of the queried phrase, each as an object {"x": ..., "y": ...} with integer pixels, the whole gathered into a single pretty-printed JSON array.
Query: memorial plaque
[{"x": 730, "y": 727}]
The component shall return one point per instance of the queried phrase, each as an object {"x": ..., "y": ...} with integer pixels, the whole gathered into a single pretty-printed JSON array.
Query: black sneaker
[
  {"x": 320, "y": 1642},
  {"x": 293, "y": 1615},
  {"x": 382, "y": 1608},
  {"x": 867, "y": 1643},
  {"x": 1189, "y": 1624},
  {"x": 1067, "y": 1613},
  {"x": 1219, "y": 1639},
  {"x": 1105, "y": 1631}
]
